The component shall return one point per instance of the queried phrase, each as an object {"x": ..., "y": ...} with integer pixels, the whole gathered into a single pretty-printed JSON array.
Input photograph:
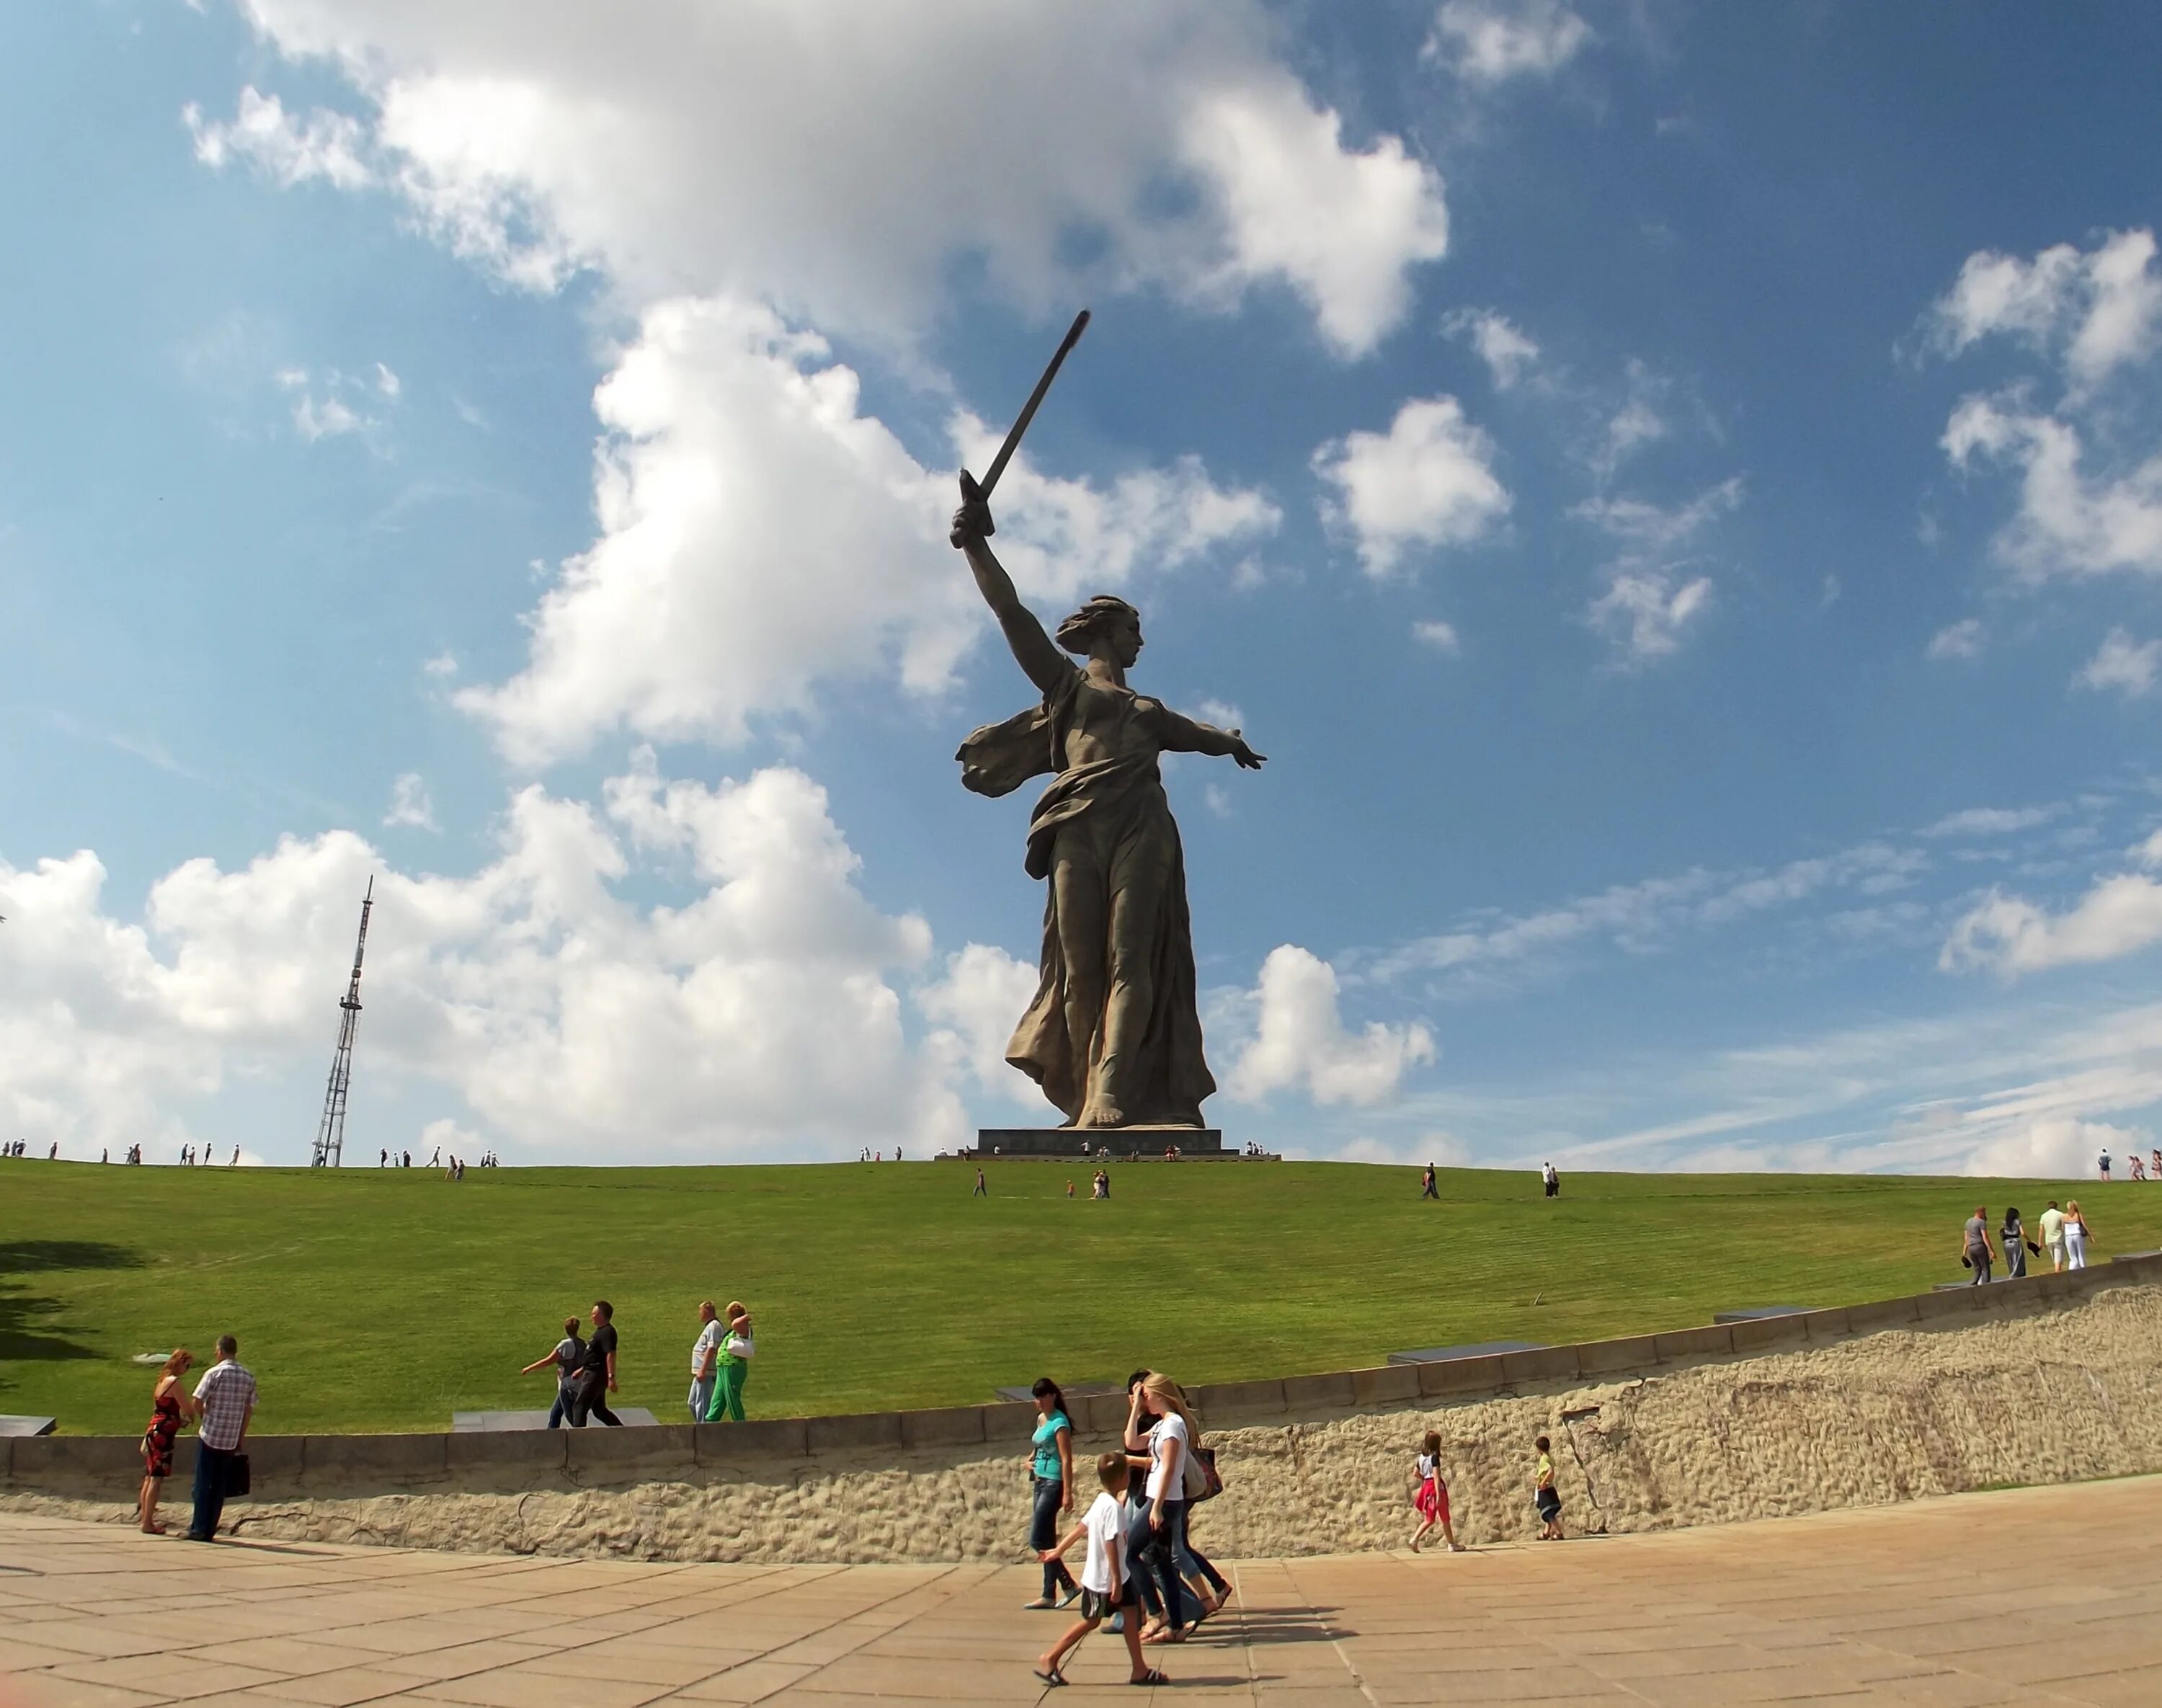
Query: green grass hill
[{"x": 369, "y": 1300}]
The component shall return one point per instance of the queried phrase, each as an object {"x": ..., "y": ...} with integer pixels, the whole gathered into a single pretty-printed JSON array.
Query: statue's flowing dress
[{"x": 1108, "y": 822}]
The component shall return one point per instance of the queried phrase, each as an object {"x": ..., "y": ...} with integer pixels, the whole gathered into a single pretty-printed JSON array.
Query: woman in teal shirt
[{"x": 1050, "y": 1475}]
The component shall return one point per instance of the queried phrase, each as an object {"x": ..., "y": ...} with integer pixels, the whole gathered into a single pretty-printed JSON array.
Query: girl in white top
[
  {"x": 1167, "y": 1439},
  {"x": 1431, "y": 1500},
  {"x": 2075, "y": 1235}
]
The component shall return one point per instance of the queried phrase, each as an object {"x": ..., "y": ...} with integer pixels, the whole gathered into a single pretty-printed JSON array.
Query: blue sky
[{"x": 1675, "y": 494}]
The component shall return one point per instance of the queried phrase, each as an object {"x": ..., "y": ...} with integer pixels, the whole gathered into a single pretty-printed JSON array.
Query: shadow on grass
[{"x": 26, "y": 1330}]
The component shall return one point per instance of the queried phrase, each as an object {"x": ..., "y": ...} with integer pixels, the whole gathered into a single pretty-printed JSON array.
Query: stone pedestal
[{"x": 1074, "y": 1143}]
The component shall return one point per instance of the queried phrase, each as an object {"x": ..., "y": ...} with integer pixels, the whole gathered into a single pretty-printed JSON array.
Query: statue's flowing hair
[{"x": 1079, "y": 632}]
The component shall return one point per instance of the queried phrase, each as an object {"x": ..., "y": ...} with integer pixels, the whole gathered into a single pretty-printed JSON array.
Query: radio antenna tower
[{"x": 330, "y": 1136}]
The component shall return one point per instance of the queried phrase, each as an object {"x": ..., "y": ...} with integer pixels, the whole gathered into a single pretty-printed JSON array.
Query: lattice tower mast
[{"x": 329, "y": 1136}]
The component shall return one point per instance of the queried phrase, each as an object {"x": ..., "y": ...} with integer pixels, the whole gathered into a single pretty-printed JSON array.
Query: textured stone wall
[{"x": 2063, "y": 1386}]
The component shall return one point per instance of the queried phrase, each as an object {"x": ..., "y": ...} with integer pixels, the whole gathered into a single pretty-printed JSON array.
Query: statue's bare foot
[{"x": 1103, "y": 1115}]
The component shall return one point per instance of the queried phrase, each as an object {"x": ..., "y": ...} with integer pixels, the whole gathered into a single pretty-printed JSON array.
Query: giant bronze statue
[{"x": 1114, "y": 1035}]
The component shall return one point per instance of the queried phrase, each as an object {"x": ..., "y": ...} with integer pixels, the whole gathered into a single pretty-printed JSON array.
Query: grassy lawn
[{"x": 368, "y": 1300}]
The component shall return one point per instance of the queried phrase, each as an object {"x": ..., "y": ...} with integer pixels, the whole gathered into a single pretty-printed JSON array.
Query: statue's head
[{"x": 1103, "y": 627}]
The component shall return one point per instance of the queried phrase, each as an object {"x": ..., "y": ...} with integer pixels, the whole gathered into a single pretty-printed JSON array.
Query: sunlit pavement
[{"x": 2049, "y": 1595}]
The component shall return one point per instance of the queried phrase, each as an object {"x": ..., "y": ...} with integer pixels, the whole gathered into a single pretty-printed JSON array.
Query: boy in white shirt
[{"x": 1107, "y": 1586}]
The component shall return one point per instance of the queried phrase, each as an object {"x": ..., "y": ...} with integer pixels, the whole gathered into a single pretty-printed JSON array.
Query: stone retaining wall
[{"x": 1311, "y": 1461}]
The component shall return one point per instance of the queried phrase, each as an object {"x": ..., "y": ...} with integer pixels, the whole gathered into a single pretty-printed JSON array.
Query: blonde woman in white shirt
[
  {"x": 2076, "y": 1235},
  {"x": 1159, "y": 1425}
]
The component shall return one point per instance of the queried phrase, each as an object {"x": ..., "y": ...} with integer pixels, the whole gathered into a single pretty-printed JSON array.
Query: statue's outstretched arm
[
  {"x": 1039, "y": 658},
  {"x": 1184, "y": 734}
]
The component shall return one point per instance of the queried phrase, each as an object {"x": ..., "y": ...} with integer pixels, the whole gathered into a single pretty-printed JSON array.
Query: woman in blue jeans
[
  {"x": 1051, "y": 1479},
  {"x": 1162, "y": 1433}
]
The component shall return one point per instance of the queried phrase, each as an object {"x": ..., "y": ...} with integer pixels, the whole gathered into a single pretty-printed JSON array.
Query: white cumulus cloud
[
  {"x": 759, "y": 533},
  {"x": 763, "y": 1015},
  {"x": 2009, "y": 935},
  {"x": 1507, "y": 350},
  {"x": 1426, "y": 482},
  {"x": 833, "y": 159},
  {"x": 262, "y": 134},
  {"x": 2100, "y": 310},
  {"x": 2122, "y": 665},
  {"x": 1964, "y": 639},
  {"x": 1300, "y": 1040},
  {"x": 1490, "y": 41},
  {"x": 1654, "y": 591},
  {"x": 410, "y": 804},
  {"x": 2071, "y": 520}
]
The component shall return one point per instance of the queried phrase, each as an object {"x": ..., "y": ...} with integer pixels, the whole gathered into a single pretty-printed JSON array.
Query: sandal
[
  {"x": 1053, "y": 1678},
  {"x": 1037, "y": 1607},
  {"x": 1155, "y": 1675}
]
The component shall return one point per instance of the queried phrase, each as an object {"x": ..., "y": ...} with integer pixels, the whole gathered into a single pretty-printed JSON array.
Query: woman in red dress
[{"x": 170, "y": 1407}]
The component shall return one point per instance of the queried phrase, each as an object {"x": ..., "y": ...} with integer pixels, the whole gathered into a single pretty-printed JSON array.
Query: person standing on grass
[
  {"x": 169, "y": 1408},
  {"x": 2104, "y": 1162},
  {"x": 1545, "y": 1496},
  {"x": 570, "y": 1352},
  {"x": 596, "y": 1372},
  {"x": 1051, "y": 1483},
  {"x": 732, "y": 1368},
  {"x": 225, "y": 1400},
  {"x": 982, "y": 1190},
  {"x": 2052, "y": 1224},
  {"x": 1426, "y": 1189},
  {"x": 2076, "y": 1235},
  {"x": 1975, "y": 1249},
  {"x": 705, "y": 1361},
  {"x": 1107, "y": 1577}
]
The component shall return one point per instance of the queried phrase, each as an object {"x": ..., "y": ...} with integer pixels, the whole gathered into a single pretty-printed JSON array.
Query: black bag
[
  {"x": 1966, "y": 1262},
  {"x": 1204, "y": 1460},
  {"x": 236, "y": 1477}
]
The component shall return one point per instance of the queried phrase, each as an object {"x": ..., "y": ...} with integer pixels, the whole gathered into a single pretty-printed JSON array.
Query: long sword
[{"x": 978, "y": 492}]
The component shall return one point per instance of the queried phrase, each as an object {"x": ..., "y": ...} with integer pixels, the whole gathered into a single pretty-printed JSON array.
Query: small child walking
[
  {"x": 1107, "y": 1584},
  {"x": 1546, "y": 1496},
  {"x": 1432, "y": 1500}
]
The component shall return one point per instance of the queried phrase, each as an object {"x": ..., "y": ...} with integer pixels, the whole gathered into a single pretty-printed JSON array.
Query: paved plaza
[{"x": 2049, "y": 1596}]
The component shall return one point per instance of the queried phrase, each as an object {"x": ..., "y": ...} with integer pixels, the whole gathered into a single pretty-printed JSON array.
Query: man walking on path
[
  {"x": 596, "y": 1376},
  {"x": 2052, "y": 1221},
  {"x": 981, "y": 1191},
  {"x": 705, "y": 1352},
  {"x": 1974, "y": 1244},
  {"x": 227, "y": 1396}
]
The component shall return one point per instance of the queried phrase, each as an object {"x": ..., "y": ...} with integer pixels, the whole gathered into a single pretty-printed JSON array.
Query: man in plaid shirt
[{"x": 226, "y": 1398}]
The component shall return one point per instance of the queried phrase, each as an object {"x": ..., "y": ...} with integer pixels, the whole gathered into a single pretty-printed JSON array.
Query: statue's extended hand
[
  {"x": 1247, "y": 758},
  {"x": 973, "y": 520}
]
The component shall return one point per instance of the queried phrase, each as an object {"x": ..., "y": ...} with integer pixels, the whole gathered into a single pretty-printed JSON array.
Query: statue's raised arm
[{"x": 1040, "y": 659}]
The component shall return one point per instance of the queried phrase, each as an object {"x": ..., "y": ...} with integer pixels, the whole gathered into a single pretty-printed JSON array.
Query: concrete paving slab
[{"x": 1912, "y": 1605}]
